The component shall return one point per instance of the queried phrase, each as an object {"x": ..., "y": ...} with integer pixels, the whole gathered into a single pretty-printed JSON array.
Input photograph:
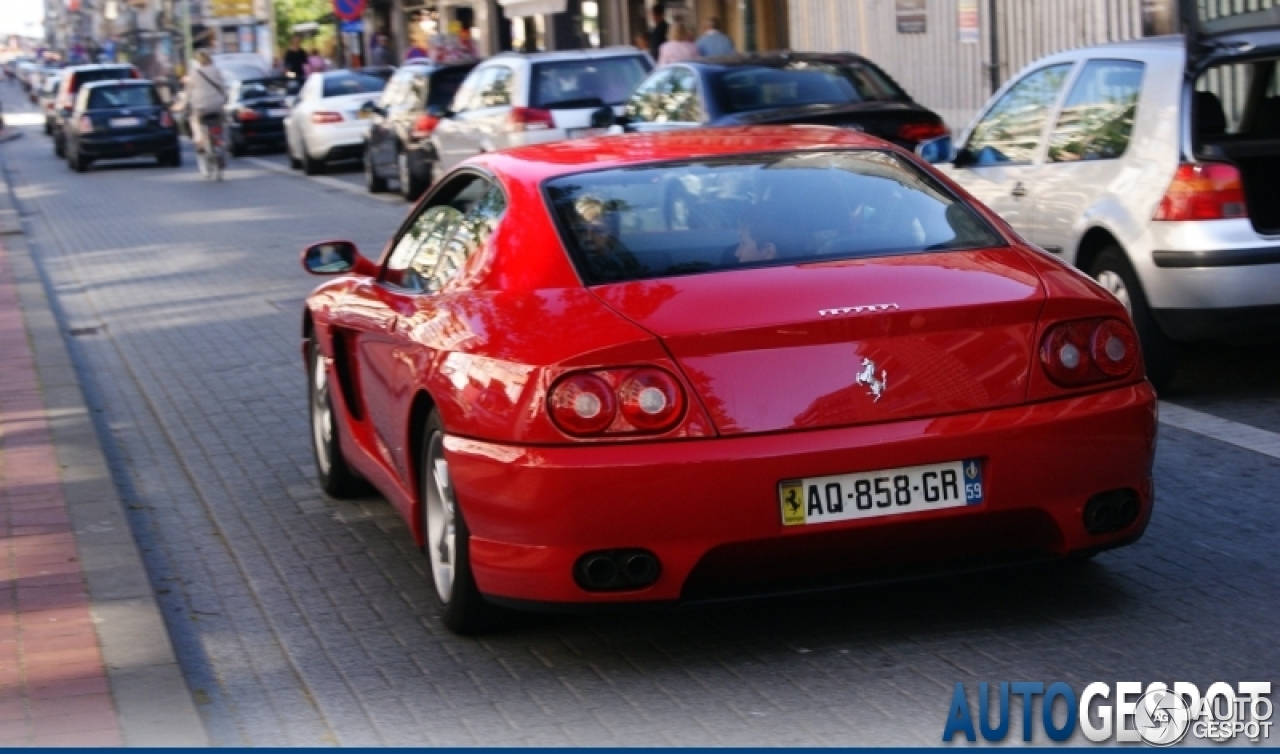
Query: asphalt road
[{"x": 302, "y": 620}]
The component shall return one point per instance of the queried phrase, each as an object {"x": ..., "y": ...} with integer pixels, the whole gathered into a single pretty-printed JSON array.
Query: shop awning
[{"x": 520, "y": 8}]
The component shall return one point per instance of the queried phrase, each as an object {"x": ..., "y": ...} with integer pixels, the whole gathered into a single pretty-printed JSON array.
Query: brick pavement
[
  {"x": 302, "y": 620},
  {"x": 53, "y": 682}
]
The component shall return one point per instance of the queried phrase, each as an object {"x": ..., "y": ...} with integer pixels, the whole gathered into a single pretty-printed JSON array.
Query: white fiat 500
[{"x": 1153, "y": 165}]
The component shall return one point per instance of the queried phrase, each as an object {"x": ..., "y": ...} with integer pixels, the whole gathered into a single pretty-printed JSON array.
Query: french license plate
[
  {"x": 844, "y": 497},
  {"x": 124, "y": 122},
  {"x": 362, "y": 114},
  {"x": 278, "y": 112},
  {"x": 580, "y": 133}
]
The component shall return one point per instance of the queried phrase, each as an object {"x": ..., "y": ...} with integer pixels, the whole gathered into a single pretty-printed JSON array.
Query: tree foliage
[{"x": 290, "y": 12}]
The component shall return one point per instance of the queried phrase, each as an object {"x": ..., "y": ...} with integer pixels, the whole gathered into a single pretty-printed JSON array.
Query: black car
[
  {"x": 398, "y": 146},
  {"x": 72, "y": 79},
  {"x": 776, "y": 88},
  {"x": 120, "y": 119},
  {"x": 256, "y": 111}
]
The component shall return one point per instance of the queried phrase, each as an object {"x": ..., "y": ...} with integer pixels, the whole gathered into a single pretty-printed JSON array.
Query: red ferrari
[{"x": 700, "y": 365}]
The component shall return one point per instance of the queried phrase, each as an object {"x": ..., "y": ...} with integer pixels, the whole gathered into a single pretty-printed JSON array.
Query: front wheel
[
  {"x": 375, "y": 183},
  {"x": 447, "y": 542},
  {"x": 336, "y": 477},
  {"x": 1112, "y": 271},
  {"x": 412, "y": 185},
  {"x": 310, "y": 165}
]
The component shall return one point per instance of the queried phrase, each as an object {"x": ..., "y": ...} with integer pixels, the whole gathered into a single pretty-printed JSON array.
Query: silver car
[
  {"x": 514, "y": 99},
  {"x": 1154, "y": 166}
]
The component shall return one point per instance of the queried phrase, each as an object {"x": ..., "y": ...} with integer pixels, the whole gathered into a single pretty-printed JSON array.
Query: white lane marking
[
  {"x": 276, "y": 167},
  {"x": 1223, "y": 430}
]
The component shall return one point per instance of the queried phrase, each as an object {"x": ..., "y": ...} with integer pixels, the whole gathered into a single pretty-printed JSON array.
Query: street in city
[{"x": 301, "y": 620}]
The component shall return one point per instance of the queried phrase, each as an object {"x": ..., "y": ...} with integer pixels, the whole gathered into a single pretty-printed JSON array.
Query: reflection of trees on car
[
  {"x": 1093, "y": 132},
  {"x": 1010, "y": 131}
]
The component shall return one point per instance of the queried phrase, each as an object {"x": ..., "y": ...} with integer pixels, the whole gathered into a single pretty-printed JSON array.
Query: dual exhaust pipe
[
  {"x": 1110, "y": 511},
  {"x": 616, "y": 570}
]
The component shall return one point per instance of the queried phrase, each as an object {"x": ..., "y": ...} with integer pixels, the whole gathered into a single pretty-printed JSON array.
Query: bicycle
[{"x": 213, "y": 160}]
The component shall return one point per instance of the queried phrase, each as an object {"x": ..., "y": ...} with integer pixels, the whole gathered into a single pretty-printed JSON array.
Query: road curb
[{"x": 153, "y": 703}]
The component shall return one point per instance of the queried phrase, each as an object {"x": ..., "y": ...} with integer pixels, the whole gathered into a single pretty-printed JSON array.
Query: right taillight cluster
[
  {"x": 1088, "y": 351},
  {"x": 640, "y": 400},
  {"x": 1203, "y": 191}
]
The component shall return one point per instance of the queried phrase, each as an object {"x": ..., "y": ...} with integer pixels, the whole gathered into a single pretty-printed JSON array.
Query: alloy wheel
[
  {"x": 321, "y": 413},
  {"x": 1115, "y": 286},
  {"x": 441, "y": 510}
]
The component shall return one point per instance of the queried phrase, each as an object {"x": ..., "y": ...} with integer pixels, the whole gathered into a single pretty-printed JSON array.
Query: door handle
[{"x": 1019, "y": 190}]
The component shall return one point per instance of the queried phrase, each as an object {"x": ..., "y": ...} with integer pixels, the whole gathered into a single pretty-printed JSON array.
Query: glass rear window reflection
[{"x": 699, "y": 216}]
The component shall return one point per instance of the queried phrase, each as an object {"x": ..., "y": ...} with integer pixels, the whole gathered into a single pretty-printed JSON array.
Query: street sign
[
  {"x": 351, "y": 27},
  {"x": 349, "y": 10}
]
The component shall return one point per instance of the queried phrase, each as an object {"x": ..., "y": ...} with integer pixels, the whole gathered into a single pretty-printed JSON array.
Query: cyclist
[{"x": 206, "y": 98}]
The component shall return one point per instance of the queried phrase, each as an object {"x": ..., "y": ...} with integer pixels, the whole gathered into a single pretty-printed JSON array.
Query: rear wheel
[
  {"x": 237, "y": 147},
  {"x": 310, "y": 165},
  {"x": 411, "y": 185},
  {"x": 77, "y": 162},
  {"x": 170, "y": 159},
  {"x": 447, "y": 542},
  {"x": 1112, "y": 271},
  {"x": 59, "y": 145},
  {"x": 336, "y": 477},
  {"x": 372, "y": 181}
]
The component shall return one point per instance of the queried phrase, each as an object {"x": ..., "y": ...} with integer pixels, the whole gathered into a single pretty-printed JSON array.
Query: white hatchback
[
  {"x": 514, "y": 99},
  {"x": 1154, "y": 166},
  {"x": 328, "y": 121}
]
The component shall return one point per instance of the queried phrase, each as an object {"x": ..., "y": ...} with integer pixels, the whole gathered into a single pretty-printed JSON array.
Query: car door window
[
  {"x": 645, "y": 104},
  {"x": 496, "y": 89},
  {"x": 469, "y": 234},
  {"x": 1097, "y": 118},
  {"x": 462, "y": 102},
  {"x": 683, "y": 104},
  {"x": 458, "y": 214},
  {"x": 1010, "y": 131}
]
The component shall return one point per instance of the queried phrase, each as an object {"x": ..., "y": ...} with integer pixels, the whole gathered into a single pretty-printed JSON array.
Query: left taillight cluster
[
  {"x": 1089, "y": 351},
  {"x": 629, "y": 401}
]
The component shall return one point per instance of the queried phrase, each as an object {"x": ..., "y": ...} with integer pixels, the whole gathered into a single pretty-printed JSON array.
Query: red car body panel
[{"x": 770, "y": 382}]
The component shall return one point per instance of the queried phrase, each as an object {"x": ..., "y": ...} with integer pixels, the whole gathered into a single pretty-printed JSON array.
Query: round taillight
[
  {"x": 650, "y": 399},
  {"x": 1114, "y": 348},
  {"x": 582, "y": 404},
  {"x": 1065, "y": 354}
]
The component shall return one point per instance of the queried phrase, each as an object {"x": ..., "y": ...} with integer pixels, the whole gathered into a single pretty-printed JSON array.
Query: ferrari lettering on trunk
[{"x": 857, "y": 310}]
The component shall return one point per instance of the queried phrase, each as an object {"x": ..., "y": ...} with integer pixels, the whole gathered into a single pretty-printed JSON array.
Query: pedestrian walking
[
  {"x": 315, "y": 63},
  {"x": 713, "y": 41},
  {"x": 658, "y": 34},
  {"x": 380, "y": 52},
  {"x": 679, "y": 48},
  {"x": 295, "y": 59}
]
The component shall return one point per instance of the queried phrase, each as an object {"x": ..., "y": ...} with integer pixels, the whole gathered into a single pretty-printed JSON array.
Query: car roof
[
  {"x": 777, "y": 59},
  {"x": 104, "y": 83},
  {"x": 97, "y": 67},
  {"x": 541, "y": 161},
  {"x": 543, "y": 57}
]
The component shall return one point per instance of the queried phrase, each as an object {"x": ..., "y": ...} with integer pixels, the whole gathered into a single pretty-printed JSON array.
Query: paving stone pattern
[{"x": 301, "y": 620}]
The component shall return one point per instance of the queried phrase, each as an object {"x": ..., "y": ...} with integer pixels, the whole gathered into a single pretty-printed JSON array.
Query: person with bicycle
[{"x": 206, "y": 98}]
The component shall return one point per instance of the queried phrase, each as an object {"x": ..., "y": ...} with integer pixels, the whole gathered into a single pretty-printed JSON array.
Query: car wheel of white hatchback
[{"x": 1116, "y": 287}]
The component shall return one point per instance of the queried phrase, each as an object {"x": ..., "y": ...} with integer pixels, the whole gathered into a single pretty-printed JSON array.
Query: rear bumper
[
  {"x": 1208, "y": 265},
  {"x": 99, "y": 147},
  {"x": 259, "y": 133},
  {"x": 709, "y": 509}
]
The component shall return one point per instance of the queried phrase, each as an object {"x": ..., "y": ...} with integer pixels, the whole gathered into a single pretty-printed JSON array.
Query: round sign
[{"x": 349, "y": 10}]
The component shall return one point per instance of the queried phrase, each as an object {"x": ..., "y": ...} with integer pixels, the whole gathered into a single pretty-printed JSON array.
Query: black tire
[
  {"x": 294, "y": 162},
  {"x": 1159, "y": 353},
  {"x": 310, "y": 165},
  {"x": 77, "y": 163},
  {"x": 463, "y": 610},
  {"x": 375, "y": 183},
  {"x": 236, "y": 148},
  {"x": 170, "y": 159},
  {"x": 48, "y": 129},
  {"x": 337, "y": 479},
  {"x": 59, "y": 145},
  {"x": 412, "y": 185}
]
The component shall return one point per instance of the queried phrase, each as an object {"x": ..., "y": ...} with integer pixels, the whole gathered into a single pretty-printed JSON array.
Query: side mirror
[
  {"x": 937, "y": 150},
  {"x": 603, "y": 118},
  {"x": 333, "y": 258}
]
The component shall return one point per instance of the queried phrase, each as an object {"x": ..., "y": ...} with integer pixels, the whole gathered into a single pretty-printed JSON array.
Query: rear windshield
[
  {"x": 80, "y": 78},
  {"x": 107, "y": 97},
  {"x": 264, "y": 89},
  {"x": 586, "y": 83},
  {"x": 802, "y": 83},
  {"x": 351, "y": 83},
  {"x": 667, "y": 219}
]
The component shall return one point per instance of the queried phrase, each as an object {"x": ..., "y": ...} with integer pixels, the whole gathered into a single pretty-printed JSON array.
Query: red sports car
[{"x": 705, "y": 364}]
